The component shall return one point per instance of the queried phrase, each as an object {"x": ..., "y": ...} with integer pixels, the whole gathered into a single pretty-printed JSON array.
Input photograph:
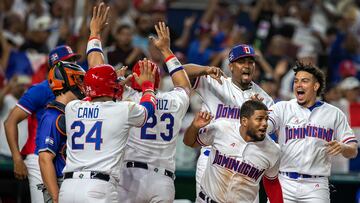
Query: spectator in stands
[
  {"x": 9, "y": 95},
  {"x": 122, "y": 52}
]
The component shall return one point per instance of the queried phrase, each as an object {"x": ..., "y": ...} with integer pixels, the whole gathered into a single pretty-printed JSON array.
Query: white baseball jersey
[
  {"x": 235, "y": 167},
  {"x": 303, "y": 133},
  {"x": 155, "y": 142},
  {"x": 97, "y": 134},
  {"x": 224, "y": 100}
]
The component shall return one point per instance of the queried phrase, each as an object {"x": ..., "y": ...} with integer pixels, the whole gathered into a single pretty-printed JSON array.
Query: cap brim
[
  {"x": 244, "y": 56},
  {"x": 71, "y": 56}
]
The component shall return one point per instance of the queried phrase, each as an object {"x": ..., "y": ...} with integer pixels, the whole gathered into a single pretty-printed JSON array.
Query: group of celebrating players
[{"x": 105, "y": 138}]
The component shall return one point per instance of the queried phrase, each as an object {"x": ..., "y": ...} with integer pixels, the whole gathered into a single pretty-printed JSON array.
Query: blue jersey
[
  {"x": 34, "y": 102},
  {"x": 51, "y": 135}
]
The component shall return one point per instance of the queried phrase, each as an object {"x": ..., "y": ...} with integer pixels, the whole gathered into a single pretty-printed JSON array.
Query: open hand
[
  {"x": 99, "y": 18},
  {"x": 162, "y": 42},
  {"x": 147, "y": 72}
]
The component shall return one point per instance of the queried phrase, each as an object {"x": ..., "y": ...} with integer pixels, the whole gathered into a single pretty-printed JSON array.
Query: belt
[
  {"x": 295, "y": 175},
  {"x": 205, "y": 198},
  {"x": 136, "y": 164},
  {"x": 87, "y": 174}
]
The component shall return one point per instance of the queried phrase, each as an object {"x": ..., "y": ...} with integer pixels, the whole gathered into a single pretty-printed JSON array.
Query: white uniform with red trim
[
  {"x": 223, "y": 101},
  {"x": 97, "y": 134},
  {"x": 149, "y": 160},
  {"x": 235, "y": 167},
  {"x": 303, "y": 133}
]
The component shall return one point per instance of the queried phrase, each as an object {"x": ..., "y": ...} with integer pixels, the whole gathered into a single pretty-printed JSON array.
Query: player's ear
[
  {"x": 243, "y": 121},
  {"x": 316, "y": 86},
  {"x": 231, "y": 67}
]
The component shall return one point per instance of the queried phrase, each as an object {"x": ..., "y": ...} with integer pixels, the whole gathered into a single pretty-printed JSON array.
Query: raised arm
[
  {"x": 194, "y": 71},
  {"x": 146, "y": 80},
  {"x": 98, "y": 22},
  {"x": 201, "y": 120},
  {"x": 162, "y": 42}
]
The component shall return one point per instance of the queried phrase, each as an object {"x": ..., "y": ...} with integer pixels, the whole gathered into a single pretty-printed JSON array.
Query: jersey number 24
[
  {"x": 166, "y": 136},
  {"x": 93, "y": 136}
]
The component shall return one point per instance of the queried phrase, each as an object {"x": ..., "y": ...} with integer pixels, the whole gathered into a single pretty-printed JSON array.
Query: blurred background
[{"x": 323, "y": 32}]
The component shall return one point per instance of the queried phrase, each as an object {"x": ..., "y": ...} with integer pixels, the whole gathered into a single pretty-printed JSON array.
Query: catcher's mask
[{"x": 66, "y": 76}]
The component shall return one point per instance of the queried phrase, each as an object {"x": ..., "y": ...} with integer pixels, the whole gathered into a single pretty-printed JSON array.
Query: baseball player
[
  {"x": 97, "y": 131},
  {"x": 65, "y": 80},
  {"x": 310, "y": 132},
  {"x": 149, "y": 160},
  {"x": 224, "y": 97},
  {"x": 31, "y": 105},
  {"x": 241, "y": 155}
]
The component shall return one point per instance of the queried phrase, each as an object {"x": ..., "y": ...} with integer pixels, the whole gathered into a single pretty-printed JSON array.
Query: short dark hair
[
  {"x": 121, "y": 27},
  {"x": 313, "y": 70},
  {"x": 250, "y": 106}
]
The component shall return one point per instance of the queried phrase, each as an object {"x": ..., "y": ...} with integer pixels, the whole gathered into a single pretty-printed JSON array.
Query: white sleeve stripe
[
  {"x": 274, "y": 123},
  {"x": 272, "y": 120},
  {"x": 199, "y": 141},
  {"x": 47, "y": 149},
  {"x": 349, "y": 139},
  {"x": 24, "y": 109}
]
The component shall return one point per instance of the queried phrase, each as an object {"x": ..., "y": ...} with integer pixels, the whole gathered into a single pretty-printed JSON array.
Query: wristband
[
  {"x": 94, "y": 44},
  {"x": 173, "y": 64},
  {"x": 147, "y": 86}
]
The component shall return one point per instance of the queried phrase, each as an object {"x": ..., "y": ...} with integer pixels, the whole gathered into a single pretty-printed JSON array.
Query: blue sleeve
[
  {"x": 36, "y": 98},
  {"x": 48, "y": 138},
  {"x": 149, "y": 107}
]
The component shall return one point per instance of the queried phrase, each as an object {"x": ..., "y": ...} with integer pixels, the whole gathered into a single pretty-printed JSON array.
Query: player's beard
[
  {"x": 254, "y": 136},
  {"x": 244, "y": 84}
]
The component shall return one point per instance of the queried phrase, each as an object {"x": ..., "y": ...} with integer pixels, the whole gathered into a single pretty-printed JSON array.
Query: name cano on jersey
[
  {"x": 86, "y": 112},
  {"x": 224, "y": 111},
  {"x": 308, "y": 131},
  {"x": 237, "y": 166}
]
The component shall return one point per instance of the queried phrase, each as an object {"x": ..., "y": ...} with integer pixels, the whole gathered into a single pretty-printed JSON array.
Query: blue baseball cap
[
  {"x": 62, "y": 53},
  {"x": 241, "y": 51}
]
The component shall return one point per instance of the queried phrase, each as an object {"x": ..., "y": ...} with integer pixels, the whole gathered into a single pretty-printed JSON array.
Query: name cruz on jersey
[{"x": 237, "y": 166}]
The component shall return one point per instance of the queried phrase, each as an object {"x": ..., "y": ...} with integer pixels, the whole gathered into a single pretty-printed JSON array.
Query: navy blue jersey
[
  {"x": 51, "y": 135},
  {"x": 33, "y": 102}
]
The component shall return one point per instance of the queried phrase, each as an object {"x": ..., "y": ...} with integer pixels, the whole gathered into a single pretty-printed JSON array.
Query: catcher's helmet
[
  {"x": 101, "y": 81},
  {"x": 136, "y": 69},
  {"x": 66, "y": 76}
]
